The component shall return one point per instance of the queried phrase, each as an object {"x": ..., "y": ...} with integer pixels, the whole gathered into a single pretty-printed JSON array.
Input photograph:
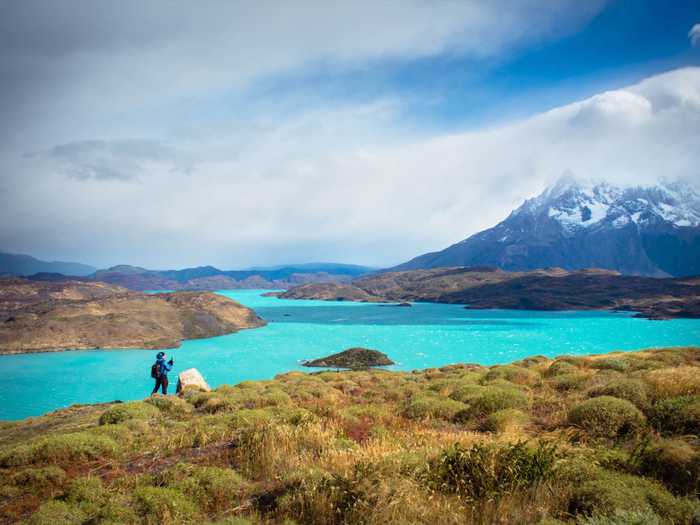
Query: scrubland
[{"x": 599, "y": 440}]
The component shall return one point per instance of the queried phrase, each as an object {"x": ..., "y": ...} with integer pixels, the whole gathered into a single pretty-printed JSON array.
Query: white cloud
[
  {"x": 694, "y": 35},
  {"x": 76, "y": 69},
  {"x": 340, "y": 184}
]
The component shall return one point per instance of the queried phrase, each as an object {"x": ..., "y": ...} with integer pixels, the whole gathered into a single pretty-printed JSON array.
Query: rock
[
  {"x": 191, "y": 379},
  {"x": 352, "y": 358}
]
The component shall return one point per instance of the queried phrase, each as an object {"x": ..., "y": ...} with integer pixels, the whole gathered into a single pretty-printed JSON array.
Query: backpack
[{"x": 155, "y": 370}]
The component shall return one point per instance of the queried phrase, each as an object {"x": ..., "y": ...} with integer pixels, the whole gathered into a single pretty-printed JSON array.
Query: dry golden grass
[{"x": 343, "y": 448}]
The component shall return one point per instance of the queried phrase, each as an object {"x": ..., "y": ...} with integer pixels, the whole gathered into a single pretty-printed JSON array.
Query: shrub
[
  {"x": 607, "y": 417},
  {"x": 421, "y": 406},
  {"x": 621, "y": 517},
  {"x": 482, "y": 471},
  {"x": 173, "y": 406},
  {"x": 674, "y": 382},
  {"x": 569, "y": 381},
  {"x": 57, "y": 513},
  {"x": 164, "y": 506},
  {"x": 213, "y": 489},
  {"x": 677, "y": 415},
  {"x": 125, "y": 411},
  {"x": 633, "y": 390},
  {"x": 466, "y": 392},
  {"x": 506, "y": 420},
  {"x": 559, "y": 367},
  {"x": 78, "y": 446},
  {"x": 609, "y": 492},
  {"x": 610, "y": 363},
  {"x": 90, "y": 496},
  {"x": 38, "y": 480},
  {"x": 492, "y": 399},
  {"x": 675, "y": 463},
  {"x": 513, "y": 374}
]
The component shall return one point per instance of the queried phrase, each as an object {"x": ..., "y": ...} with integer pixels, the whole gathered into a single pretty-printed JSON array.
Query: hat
[{"x": 160, "y": 355}]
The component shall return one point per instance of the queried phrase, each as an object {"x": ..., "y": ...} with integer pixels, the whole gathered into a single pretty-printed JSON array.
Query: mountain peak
[{"x": 577, "y": 223}]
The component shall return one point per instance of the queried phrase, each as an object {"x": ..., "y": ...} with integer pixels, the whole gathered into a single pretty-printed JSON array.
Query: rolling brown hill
[
  {"x": 548, "y": 289},
  {"x": 52, "y": 316}
]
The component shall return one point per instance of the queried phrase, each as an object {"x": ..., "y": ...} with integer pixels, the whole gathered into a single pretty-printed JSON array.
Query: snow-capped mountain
[{"x": 647, "y": 230}]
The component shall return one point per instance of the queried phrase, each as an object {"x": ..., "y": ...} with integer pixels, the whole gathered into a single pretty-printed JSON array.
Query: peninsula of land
[
  {"x": 547, "y": 289},
  {"x": 45, "y": 316}
]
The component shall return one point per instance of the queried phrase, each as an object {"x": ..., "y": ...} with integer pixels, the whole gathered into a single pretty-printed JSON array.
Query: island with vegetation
[
  {"x": 46, "y": 316},
  {"x": 353, "y": 358},
  {"x": 598, "y": 440},
  {"x": 545, "y": 289}
]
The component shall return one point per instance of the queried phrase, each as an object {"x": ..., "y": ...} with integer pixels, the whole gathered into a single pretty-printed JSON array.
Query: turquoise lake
[{"x": 425, "y": 335}]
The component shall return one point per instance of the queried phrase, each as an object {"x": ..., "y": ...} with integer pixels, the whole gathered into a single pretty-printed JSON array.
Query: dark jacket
[{"x": 164, "y": 367}]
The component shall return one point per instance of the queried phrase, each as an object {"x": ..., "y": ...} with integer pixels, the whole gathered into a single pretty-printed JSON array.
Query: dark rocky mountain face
[{"x": 638, "y": 230}]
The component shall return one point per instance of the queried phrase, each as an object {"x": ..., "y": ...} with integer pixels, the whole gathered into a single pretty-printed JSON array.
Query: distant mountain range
[
  {"x": 642, "y": 230},
  {"x": 211, "y": 278},
  {"x": 16, "y": 264}
]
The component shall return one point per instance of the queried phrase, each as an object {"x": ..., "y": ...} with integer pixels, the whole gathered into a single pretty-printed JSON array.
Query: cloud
[
  {"x": 694, "y": 35},
  {"x": 133, "y": 68},
  {"x": 338, "y": 183},
  {"x": 116, "y": 159}
]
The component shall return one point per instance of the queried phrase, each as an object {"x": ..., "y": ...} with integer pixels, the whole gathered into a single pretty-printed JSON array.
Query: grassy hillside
[{"x": 597, "y": 440}]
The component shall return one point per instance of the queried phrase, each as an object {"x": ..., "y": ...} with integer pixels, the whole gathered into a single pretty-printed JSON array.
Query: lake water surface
[{"x": 425, "y": 335}]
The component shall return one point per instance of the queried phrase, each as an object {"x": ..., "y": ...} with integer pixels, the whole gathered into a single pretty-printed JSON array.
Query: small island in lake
[{"x": 353, "y": 358}]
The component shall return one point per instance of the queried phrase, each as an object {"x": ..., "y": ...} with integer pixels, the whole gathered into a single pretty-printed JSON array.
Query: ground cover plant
[{"x": 604, "y": 440}]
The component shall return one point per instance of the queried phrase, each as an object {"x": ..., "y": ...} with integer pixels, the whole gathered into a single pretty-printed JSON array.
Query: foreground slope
[
  {"x": 635, "y": 230},
  {"x": 548, "y": 289},
  {"x": 52, "y": 316},
  {"x": 597, "y": 440}
]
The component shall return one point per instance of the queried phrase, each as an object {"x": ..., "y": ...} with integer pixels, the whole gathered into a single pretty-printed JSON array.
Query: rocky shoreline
[{"x": 548, "y": 289}]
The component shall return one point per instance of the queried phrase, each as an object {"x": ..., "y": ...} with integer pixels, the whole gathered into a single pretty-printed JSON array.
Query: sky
[{"x": 169, "y": 134}]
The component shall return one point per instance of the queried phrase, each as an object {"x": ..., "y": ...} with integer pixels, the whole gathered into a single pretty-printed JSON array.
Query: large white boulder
[{"x": 191, "y": 379}]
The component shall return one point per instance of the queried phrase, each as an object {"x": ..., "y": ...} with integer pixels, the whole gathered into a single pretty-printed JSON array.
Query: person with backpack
[{"x": 159, "y": 372}]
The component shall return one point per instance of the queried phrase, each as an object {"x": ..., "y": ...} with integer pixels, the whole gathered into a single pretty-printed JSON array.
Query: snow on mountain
[
  {"x": 650, "y": 230},
  {"x": 583, "y": 204}
]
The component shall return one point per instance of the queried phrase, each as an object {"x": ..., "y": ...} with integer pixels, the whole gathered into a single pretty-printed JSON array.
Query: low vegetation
[{"x": 598, "y": 440}]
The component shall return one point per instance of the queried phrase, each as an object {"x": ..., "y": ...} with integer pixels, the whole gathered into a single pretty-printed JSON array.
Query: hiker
[{"x": 159, "y": 372}]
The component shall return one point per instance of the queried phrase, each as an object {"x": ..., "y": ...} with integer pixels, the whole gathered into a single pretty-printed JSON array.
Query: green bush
[
  {"x": 39, "y": 480},
  {"x": 172, "y": 406},
  {"x": 559, "y": 367},
  {"x": 125, "y": 411},
  {"x": 214, "y": 489},
  {"x": 483, "y": 472},
  {"x": 633, "y": 390},
  {"x": 505, "y": 420},
  {"x": 677, "y": 415},
  {"x": 58, "y": 513},
  {"x": 619, "y": 365},
  {"x": 466, "y": 392},
  {"x": 608, "y": 417},
  {"x": 569, "y": 381},
  {"x": 492, "y": 399},
  {"x": 609, "y": 492},
  {"x": 621, "y": 517},
  {"x": 164, "y": 506},
  {"x": 421, "y": 406},
  {"x": 674, "y": 462},
  {"x": 90, "y": 496},
  {"x": 78, "y": 446},
  {"x": 513, "y": 374}
]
